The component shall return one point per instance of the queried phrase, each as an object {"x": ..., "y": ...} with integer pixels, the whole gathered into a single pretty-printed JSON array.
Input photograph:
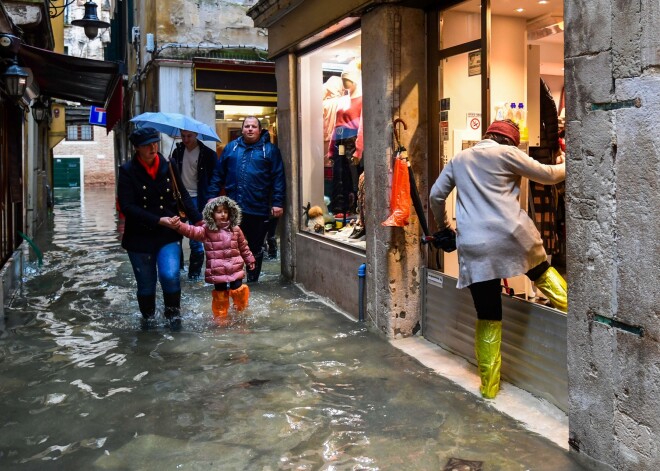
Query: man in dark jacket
[
  {"x": 251, "y": 171},
  {"x": 195, "y": 163}
]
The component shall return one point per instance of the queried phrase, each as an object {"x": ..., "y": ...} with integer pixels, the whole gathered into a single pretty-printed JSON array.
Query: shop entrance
[{"x": 491, "y": 61}]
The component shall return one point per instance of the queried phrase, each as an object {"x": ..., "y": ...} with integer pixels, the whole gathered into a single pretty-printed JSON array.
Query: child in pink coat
[{"x": 226, "y": 251}]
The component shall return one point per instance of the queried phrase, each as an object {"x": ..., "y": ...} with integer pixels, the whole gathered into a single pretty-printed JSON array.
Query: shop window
[
  {"x": 80, "y": 132},
  {"x": 330, "y": 113}
]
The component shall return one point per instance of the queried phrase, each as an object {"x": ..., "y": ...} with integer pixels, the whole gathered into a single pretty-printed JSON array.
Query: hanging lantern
[
  {"x": 90, "y": 21},
  {"x": 15, "y": 79},
  {"x": 39, "y": 110}
]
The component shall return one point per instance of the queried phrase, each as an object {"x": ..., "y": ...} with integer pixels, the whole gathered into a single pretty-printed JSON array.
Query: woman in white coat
[{"x": 495, "y": 238}]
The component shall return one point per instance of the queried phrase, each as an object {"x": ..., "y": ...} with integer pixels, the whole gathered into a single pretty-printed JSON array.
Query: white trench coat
[{"x": 495, "y": 238}]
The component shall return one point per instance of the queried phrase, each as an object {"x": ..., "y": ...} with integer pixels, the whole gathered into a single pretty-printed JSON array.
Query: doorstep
[{"x": 536, "y": 415}]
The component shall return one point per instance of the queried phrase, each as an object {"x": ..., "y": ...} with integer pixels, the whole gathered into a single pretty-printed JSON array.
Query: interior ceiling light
[{"x": 544, "y": 26}]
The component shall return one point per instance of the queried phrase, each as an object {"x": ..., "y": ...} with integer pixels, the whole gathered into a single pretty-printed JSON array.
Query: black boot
[
  {"x": 195, "y": 265},
  {"x": 253, "y": 275},
  {"x": 271, "y": 244},
  {"x": 172, "y": 311},
  {"x": 147, "y": 306}
]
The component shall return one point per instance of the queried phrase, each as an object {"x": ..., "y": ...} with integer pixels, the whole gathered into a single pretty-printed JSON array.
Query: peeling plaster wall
[
  {"x": 396, "y": 88},
  {"x": 612, "y": 61},
  {"x": 208, "y": 21}
]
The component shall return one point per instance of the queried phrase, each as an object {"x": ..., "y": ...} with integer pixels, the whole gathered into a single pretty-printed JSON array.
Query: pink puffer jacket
[{"x": 226, "y": 247}]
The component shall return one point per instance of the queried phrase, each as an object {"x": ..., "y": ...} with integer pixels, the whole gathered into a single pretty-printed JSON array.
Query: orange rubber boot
[
  {"x": 220, "y": 306},
  {"x": 240, "y": 297}
]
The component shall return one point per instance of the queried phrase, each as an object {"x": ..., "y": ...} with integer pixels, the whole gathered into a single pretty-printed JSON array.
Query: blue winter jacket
[{"x": 252, "y": 175}]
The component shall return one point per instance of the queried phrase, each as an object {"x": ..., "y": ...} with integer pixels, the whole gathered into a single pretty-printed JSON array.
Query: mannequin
[
  {"x": 346, "y": 144},
  {"x": 332, "y": 92}
]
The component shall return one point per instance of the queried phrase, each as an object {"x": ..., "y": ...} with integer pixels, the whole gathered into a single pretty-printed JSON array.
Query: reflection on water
[{"x": 292, "y": 385}]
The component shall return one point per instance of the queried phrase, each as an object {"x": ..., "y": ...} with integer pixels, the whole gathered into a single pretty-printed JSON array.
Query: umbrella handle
[{"x": 395, "y": 131}]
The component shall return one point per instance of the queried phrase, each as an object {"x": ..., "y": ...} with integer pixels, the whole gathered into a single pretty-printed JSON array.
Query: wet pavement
[{"x": 291, "y": 385}]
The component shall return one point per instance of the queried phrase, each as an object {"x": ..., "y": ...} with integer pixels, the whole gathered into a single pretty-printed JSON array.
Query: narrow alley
[{"x": 292, "y": 384}]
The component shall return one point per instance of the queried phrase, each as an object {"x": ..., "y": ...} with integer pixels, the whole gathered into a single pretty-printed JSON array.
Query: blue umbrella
[{"x": 173, "y": 123}]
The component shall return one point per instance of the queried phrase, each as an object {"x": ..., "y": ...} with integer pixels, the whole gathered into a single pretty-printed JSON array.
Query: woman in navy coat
[{"x": 146, "y": 198}]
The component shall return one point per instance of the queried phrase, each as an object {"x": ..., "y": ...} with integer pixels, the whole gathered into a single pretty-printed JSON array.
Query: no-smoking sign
[{"x": 473, "y": 122}]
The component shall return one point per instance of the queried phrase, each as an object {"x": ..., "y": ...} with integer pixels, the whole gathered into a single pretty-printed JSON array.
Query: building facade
[
  {"x": 205, "y": 60},
  {"x": 446, "y": 69},
  {"x": 85, "y": 154},
  {"x": 32, "y": 121}
]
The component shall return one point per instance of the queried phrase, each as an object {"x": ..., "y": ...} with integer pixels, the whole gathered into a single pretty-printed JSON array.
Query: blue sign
[{"x": 97, "y": 116}]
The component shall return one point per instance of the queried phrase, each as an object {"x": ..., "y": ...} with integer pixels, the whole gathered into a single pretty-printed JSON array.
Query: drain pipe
[{"x": 362, "y": 273}]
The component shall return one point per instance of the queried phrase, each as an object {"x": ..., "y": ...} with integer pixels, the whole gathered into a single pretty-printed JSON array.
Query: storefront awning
[{"x": 71, "y": 78}]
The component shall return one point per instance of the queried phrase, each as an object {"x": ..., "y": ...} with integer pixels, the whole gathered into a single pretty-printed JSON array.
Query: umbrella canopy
[{"x": 173, "y": 123}]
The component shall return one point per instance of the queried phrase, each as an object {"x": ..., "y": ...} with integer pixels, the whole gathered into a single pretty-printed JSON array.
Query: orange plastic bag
[{"x": 400, "y": 197}]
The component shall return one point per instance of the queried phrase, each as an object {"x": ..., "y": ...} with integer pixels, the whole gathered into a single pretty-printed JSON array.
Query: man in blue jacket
[
  {"x": 251, "y": 172},
  {"x": 195, "y": 163}
]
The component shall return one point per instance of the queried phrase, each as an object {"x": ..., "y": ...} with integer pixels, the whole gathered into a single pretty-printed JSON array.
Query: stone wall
[
  {"x": 212, "y": 22},
  {"x": 613, "y": 174}
]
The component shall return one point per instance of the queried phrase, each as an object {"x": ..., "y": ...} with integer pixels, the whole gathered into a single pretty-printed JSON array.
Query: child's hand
[
  {"x": 175, "y": 221},
  {"x": 251, "y": 266}
]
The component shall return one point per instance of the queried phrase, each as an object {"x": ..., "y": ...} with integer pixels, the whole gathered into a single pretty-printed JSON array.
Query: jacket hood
[{"x": 234, "y": 212}]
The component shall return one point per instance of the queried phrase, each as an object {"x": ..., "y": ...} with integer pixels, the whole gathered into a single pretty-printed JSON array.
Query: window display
[{"x": 332, "y": 140}]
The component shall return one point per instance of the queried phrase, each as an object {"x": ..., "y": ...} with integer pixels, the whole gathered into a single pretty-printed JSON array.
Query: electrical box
[{"x": 135, "y": 34}]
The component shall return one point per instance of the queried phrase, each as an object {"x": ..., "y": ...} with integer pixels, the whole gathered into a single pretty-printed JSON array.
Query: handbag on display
[{"x": 180, "y": 207}]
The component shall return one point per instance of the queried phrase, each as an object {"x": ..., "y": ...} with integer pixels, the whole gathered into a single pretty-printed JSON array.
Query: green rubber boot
[
  {"x": 487, "y": 342},
  {"x": 553, "y": 286}
]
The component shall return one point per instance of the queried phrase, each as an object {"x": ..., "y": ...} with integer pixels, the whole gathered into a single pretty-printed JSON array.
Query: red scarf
[{"x": 153, "y": 169}]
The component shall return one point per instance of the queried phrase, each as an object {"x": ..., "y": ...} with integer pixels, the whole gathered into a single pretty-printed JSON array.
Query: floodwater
[{"x": 291, "y": 385}]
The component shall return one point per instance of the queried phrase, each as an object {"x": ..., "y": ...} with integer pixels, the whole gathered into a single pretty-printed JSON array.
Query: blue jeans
[{"x": 163, "y": 266}]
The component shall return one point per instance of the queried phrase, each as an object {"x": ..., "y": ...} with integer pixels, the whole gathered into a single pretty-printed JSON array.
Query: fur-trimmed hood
[{"x": 234, "y": 212}]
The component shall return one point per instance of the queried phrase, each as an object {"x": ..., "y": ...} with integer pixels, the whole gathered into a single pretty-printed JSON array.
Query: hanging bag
[
  {"x": 181, "y": 208},
  {"x": 400, "y": 197}
]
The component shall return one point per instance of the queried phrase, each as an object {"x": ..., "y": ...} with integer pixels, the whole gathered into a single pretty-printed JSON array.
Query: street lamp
[
  {"x": 14, "y": 77},
  {"x": 39, "y": 110},
  {"x": 90, "y": 21}
]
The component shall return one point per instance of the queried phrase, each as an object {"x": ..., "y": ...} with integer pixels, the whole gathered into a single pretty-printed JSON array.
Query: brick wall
[{"x": 98, "y": 157}]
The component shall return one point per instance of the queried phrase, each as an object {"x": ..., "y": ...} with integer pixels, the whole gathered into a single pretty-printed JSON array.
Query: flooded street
[{"x": 291, "y": 385}]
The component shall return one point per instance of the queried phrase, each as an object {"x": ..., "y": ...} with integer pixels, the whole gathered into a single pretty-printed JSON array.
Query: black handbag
[{"x": 445, "y": 240}]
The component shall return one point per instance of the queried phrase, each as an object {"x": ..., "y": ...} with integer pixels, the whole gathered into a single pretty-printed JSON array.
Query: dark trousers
[
  {"x": 255, "y": 229},
  {"x": 343, "y": 191},
  {"x": 228, "y": 286},
  {"x": 487, "y": 295}
]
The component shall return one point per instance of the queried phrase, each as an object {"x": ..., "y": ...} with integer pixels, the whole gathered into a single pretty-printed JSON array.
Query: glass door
[{"x": 460, "y": 69}]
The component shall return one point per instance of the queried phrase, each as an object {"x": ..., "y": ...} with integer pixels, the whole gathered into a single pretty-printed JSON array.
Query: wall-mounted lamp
[
  {"x": 14, "y": 77},
  {"x": 90, "y": 21},
  {"x": 39, "y": 110}
]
